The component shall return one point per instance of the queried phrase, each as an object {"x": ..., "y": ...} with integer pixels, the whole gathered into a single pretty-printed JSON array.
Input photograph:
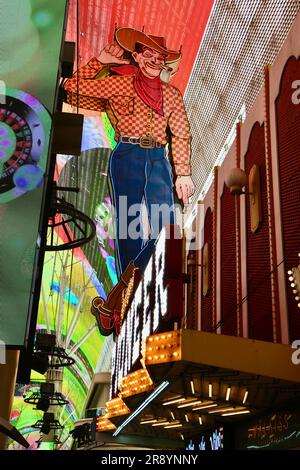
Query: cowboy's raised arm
[{"x": 93, "y": 88}]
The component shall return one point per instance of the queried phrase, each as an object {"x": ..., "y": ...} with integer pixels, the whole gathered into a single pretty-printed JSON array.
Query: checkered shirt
[{"x": 128, "y": 114}]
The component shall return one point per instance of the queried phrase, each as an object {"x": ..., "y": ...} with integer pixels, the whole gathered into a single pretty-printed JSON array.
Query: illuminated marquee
[
  {"x": 294, "y": 278},
  {"x": 156, "y": 306}
]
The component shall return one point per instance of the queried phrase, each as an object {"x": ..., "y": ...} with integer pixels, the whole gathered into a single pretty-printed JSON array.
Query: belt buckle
[{"x": 146, "y": 142}]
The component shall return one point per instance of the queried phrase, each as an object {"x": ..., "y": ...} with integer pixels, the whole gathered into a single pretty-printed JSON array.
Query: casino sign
[
  {"x": 157, "y": 307},
  {"x": 171, "y": 384}
]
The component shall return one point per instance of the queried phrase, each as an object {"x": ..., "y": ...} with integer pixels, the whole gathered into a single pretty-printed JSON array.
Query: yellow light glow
[
  {"x": 228, "y": 393},
  {"x": 148, "y": 421},
  {"x": 162, "y": 423},
  {"x": 116, "y": 407},
  {"x": 163, "y": 350},
  {"x": 221, "y": 410},
  {"x": 190, "y": 403},
  {"x": 186, "y": 418},
  {"x": 192, "y": 387},
  {"x": 210, "y": 390},
  {"x": 245, "y": 397},
  {"x": 200, "y": 420},
  {"x": 172, "y": 414},
  {"x": 205, "y": 406},
  {"x": 103, "y": 424},
  {"x": 173, "y": 426},
  {"x": 176, "y": 400},
  {"x": 236, "y": 413}
]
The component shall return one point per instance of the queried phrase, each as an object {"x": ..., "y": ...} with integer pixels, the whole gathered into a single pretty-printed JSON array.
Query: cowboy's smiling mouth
[{"x": 153, "y": 66}]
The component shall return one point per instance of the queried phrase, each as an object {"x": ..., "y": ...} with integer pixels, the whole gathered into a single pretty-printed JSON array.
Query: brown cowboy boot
[
  {"x": 108, "y": 312},
  {"x": 128, "y": 294}
]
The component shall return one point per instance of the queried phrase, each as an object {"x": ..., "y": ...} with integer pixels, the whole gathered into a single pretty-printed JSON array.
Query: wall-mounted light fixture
[
  {"x": 205, "y": 268},
  {"x": 236, "y": 180}
]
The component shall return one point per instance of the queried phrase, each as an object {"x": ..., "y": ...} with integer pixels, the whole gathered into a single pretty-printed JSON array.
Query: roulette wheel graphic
[{"x": 24, "y": 137}]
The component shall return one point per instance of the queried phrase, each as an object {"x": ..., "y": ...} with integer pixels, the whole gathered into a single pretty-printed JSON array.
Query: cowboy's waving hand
[{"x": 112, "y": 54}]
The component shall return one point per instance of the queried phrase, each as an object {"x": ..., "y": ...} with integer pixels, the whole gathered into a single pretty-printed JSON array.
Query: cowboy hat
[{"x": 128, "y": 37}]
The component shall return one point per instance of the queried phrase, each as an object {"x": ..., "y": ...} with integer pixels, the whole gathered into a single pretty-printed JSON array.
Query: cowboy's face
[{"x": 149, "y": 61}]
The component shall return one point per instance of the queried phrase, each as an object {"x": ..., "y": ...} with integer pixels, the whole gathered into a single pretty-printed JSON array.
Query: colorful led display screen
[
  {"x": 70, "y": 280},
  {"x": 31, "y": 33}
]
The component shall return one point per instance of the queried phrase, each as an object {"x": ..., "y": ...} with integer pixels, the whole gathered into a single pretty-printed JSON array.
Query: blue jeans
[{"x": 140, "y": 175}]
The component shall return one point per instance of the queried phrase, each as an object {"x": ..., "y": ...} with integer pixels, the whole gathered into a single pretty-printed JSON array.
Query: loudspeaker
[
  {"x": 39, "y": 363},
  {"x": 67, "y": 61},
  {"x": 43, "y": 404},
  {"x": 45, "y": 342},
  {"x": 47, "y": 387},
  {"x": 67, "y": 133}
]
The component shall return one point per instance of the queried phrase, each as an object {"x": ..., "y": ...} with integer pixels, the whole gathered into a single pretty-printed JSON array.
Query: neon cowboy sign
[{"x": 156, "y": 306}]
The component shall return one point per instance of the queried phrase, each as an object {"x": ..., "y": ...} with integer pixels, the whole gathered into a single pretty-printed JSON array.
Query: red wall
[
  {"x": 258, "y": 250},
  {"x": 288, "y": 140},
  {"x": 207, "y": 300},
  {"x": 228, "y": 264}
]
